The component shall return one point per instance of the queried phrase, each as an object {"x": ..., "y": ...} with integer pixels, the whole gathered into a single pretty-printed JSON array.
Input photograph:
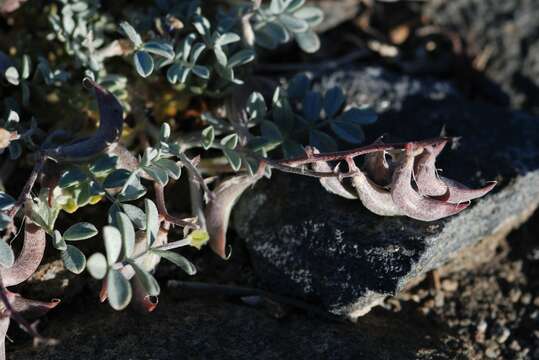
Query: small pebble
[
  {"x": 482, "y": 326},
  {"x": 492, "y": 352},
  {"x": 514, "y": 295},
  {"x": 480, "y": 331},
  {"x": 450, "y": 285},
  {"x": 503, "y": 335},
  {"x": 515, "y": 346},
  {"x": 526, "y": 298},
  {"x": 536, "y": 301}
]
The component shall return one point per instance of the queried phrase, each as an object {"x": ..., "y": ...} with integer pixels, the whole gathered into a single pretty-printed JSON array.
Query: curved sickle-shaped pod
[
  {"x": 444, "y": 189},
  {"x": 110, "y": 128},
  {"x": 29, "y": 258},
  {"x": 410, "y": 202},
  {"x": 459, "y": 193},
  {"x": 30, "y": 308},
  {"x": 375, "y": 198},
  {"x": 331, "y": 184},
  {"x": 378, "y": 168},
  {"x": 426, "y": 177},
  {"x": 219, "y": 208}
]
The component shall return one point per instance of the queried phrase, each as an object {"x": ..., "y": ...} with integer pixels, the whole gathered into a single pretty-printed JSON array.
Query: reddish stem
[{"x": 343, "y": 155}]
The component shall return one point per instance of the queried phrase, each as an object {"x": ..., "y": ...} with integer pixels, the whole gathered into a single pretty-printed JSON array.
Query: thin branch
[
  {"x": 38, "y": 167},
  {"x": 343, "y": 155},
  {"x": 162, "y": 209},
  {"x": 239, "y": 291},
  {"x": 195, "y": 173}
]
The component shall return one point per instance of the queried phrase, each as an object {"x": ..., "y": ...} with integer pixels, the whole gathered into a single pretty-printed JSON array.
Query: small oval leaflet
[
  {"x": 97, "y": 266},
  {"x": 80, "y": 231},
  {"x": 118, "y": 289},
  {"x": 147, "y": 280},
  {"x": 6, "y": 201},
  {"x": 152, "y": 221},
  {"x": 143, "y": 63},
  {"x": 128, "y": 233},
  {"x": 74, "y": 259},
  {"x": 113, "y": 243},
  {"x": 7, "y": 258},
  {"x": 58, "y": 241},
  {"x": 177, "y": 260}
]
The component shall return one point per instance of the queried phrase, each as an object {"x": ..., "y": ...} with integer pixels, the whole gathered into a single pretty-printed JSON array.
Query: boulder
[{"x": 307, "y": 243}]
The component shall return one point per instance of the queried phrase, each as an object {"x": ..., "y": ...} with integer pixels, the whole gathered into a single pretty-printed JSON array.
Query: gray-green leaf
[
  {"x": 152, "y": 221},
  {"x": 97, "y": 266},
  {"x": 147, "y": 280},
  {"x": 80, "y": 231},
  {"x": 137, "y": 216},
  {"x": 6, "y": 201},
  {"x": 118, "y": 289},
  {"x": 177, "y": 260},
  {"x": 74, "y": 259},
  {"x": 347, "y": 131},
  {"x": 143, "y": 63},
  {"x": 7, "y": 257},
  {"x": 128, "y": 233},
  {"x": 308, "y": 41},
  {"x": 131, "y": 33},
  {"x": 113, "y": 243},
  {"x": 208, "y": 136},
  {"x": 322, "y": 141},
  {"x": 333, "y": 101},
  {"x": 58, "y": 241}
]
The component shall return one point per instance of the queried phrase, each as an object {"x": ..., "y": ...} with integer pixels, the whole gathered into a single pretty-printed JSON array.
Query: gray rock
[
  {"x": 307, "y": 243},
  {"x": 503, "y": 35}
]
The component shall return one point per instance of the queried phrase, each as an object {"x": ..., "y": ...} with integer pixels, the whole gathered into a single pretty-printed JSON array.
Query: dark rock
[
  {"x": 307, "y": 243},
  {"x": 503, "y": 35}
]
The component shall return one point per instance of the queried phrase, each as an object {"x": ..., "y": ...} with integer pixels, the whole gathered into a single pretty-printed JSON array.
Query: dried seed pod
[
  {"x": 410, "y": 202},
  {"x": 29, "y": 258},
  {"x": 426, "y": 176},
  {"x": 110, "y": 128},
  {"x": 459, "y": 193},
  {"x": 378, "y": 168},
  {"x": 219, "y": 208},
  {"x": 375, "y": 198},
  {"x": 28, "y": 307},
  {"x": 331, "y": 184},
  {"x": 444, "y": 189}
]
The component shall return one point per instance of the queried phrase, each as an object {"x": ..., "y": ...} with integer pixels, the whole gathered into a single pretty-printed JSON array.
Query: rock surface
[
  {"x": 305, "y": 242},
  {"x": 502, "y": 37}
]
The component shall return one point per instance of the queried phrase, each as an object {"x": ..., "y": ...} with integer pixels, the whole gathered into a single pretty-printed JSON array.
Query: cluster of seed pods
[
  {"x": 14, "y": 306},
  {"x": 405, "y": 182}
]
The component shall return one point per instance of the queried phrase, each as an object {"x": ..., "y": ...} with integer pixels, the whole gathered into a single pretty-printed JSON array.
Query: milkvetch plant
[{"x": 234, "y": 126}]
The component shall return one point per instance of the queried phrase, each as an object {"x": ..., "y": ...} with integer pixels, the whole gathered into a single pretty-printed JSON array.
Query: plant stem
[
  {"x": 239, "y": 291},
  {"x": 27, "y": 187}
]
